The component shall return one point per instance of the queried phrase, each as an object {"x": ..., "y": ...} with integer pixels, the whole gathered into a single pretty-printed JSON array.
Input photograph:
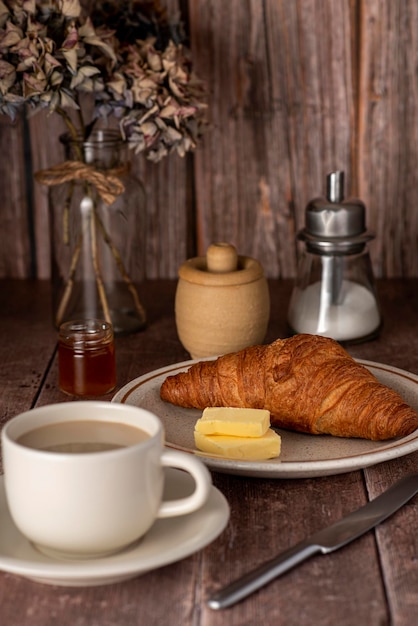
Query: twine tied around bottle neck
[{"x": 107, "y": 182}]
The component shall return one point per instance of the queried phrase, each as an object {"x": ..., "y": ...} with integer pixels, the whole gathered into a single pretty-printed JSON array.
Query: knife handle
[{"x": 262, "y": 575}]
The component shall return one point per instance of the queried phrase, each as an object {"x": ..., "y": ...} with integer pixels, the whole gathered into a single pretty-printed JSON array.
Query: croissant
[{"x": 309, "y": 383}]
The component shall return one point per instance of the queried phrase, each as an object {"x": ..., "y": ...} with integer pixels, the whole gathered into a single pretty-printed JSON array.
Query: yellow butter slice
[
  {"x": 246, "y": 448},
  {"x": 239, "y": 422}
]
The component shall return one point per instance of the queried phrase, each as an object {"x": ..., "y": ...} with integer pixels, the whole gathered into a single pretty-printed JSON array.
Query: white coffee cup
[{"x": 88, "y": 504}]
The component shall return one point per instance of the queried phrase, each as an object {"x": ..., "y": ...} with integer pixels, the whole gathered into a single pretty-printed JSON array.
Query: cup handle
[{"x": 202, "y": 478}]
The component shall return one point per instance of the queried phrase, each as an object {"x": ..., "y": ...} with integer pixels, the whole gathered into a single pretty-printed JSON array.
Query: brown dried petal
[
  {"x": 185, "y": 146},
  {"x": 86, "y": 30},
  {"x": 71, "y": 58},
  {"x": 67, "y": 101},
  {"x": 149, "y": 113},
  {"x": 169, "y": 111},
  {"x": 26, "y": 48},
  {"x": 4, "y": 14},
  {"x": 50, "y": 63},
  {"x": 141, "y": 96},
  {"x": 13, "y": 98},
  {"x": 10, "y": 36},
  {"x": 89, "y": 36},
  {"x": 29, "y": 6},
  {"x": 171, "y": 51},
  {"x": 71, "y": 39},
  {"x": 148, "y": 129},
  {"x": 168, "y": 65},
  {"x": 179, "y": 74},
  {"x": 55, "y": 79},
  {"x": 33, "y": 84},
  {"x": 174, "y": 109},
  {"x": 117, "y": 84},
  {"x": 7, "y": 76},
  {"x": 176, "y": 89},
  {"x": 154, "y": 60},
  {"x": 26, "y": 64},
  {"x": 49, "y": 45},
  {"x": 157, "y": 154},
  {"x": 91, "y": 85},
  {"x": 187, "y": 111},
  {"x": 83, "y": 73},
  {"x": 70, "y": 8},
  {"x": 144, "y": 91},
  {"x": 172, "y": 134},
  {"x": 160, "y": 123},
  {"x": 51, "y": 98},
  {"x": 5, "y": 68}
]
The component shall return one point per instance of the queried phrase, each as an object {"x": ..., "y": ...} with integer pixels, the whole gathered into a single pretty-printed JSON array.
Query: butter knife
[{"x": 327, "y": 540}]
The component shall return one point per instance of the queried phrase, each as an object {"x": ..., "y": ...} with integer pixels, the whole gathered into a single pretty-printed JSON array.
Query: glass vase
[{"x": 97, "y": 240}]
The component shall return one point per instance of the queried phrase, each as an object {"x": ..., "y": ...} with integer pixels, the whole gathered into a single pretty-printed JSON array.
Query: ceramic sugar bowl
[{"x": 222, "y": 302}]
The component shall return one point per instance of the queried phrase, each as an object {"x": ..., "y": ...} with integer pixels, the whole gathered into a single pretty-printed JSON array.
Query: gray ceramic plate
[{"x": 302, "y": 455}]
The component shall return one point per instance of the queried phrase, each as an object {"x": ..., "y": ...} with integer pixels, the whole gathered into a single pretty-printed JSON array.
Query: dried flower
[{"x": 138, "y": 70}]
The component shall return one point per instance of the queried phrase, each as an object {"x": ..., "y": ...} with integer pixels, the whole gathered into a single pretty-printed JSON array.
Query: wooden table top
[{"x": 372, "y": 581}]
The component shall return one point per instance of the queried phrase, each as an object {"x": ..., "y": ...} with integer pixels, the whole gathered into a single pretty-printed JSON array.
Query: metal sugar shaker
[{"x": 334, "y": 293}]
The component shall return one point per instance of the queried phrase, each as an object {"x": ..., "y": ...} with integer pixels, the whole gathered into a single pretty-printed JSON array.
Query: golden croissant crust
[{"x": 308, "y": 383}]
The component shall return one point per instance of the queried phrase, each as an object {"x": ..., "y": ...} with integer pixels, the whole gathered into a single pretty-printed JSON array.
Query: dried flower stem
[
  {"x": 97, "y": 272},
  {"x": 140, "y": 309},
  {"x": 73, "y": 130},
  {"x": 66, "y": 215},
  {"x": 70, "y": 283}
]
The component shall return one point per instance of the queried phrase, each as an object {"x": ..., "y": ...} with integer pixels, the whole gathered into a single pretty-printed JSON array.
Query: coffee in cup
[
  {"x": 82, "y": 436},
  {"x": 85, "y": 479}
]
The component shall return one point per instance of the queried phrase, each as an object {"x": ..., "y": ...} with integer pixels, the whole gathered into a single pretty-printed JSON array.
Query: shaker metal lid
[{"x": 333, "y": 216}]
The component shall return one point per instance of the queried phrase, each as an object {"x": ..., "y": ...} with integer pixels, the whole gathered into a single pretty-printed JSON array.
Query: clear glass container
[
  {"x": 86, "y": 358},
  {"x": 335, "y": 296},
  {"x": 98, "y": 247},
  {"x": 334, "y": 293}
]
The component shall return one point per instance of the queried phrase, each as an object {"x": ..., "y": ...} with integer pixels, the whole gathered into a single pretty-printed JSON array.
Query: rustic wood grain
[
  {"x": 46, "y": 151},
  {"x": 167, "y": 209},
  {"x": 296, "y": 89},
  {"x": 371, "y": 581},
  {"x": 398, "y": 547},
  {"x": 282, "y": 117},
  {"x": 388, "y": 132},
  {"x": 274, "y": 529},
  {"x": 15, "y": 224}
]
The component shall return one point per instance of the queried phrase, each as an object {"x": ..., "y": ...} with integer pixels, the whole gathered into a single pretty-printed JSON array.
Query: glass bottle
[
  {"x": 334, "y": 293},
  {"x": 98, "y": 246}
]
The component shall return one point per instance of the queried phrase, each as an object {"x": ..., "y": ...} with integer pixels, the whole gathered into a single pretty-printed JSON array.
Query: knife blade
[{"x": 326, "y": 540}]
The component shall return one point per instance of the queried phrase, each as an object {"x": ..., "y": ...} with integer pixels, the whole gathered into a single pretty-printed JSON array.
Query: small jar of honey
[{"x": 86, "y": 358}]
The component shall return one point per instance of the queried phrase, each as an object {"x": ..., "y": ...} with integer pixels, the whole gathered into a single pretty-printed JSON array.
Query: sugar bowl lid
[{"x": 221, "y": 266}]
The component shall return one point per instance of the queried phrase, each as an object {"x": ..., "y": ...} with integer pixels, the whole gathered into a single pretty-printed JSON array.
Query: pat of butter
[
  {"x": 233, "y": 421},
  {"x": 247, "y": 448}
]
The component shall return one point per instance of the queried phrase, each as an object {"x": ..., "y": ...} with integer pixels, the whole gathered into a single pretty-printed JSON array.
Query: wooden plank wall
[{"x": 296, "y": 88}]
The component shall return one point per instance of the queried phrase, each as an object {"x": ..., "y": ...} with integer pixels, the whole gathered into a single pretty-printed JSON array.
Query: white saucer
[{"x": 168, "y": 540}]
